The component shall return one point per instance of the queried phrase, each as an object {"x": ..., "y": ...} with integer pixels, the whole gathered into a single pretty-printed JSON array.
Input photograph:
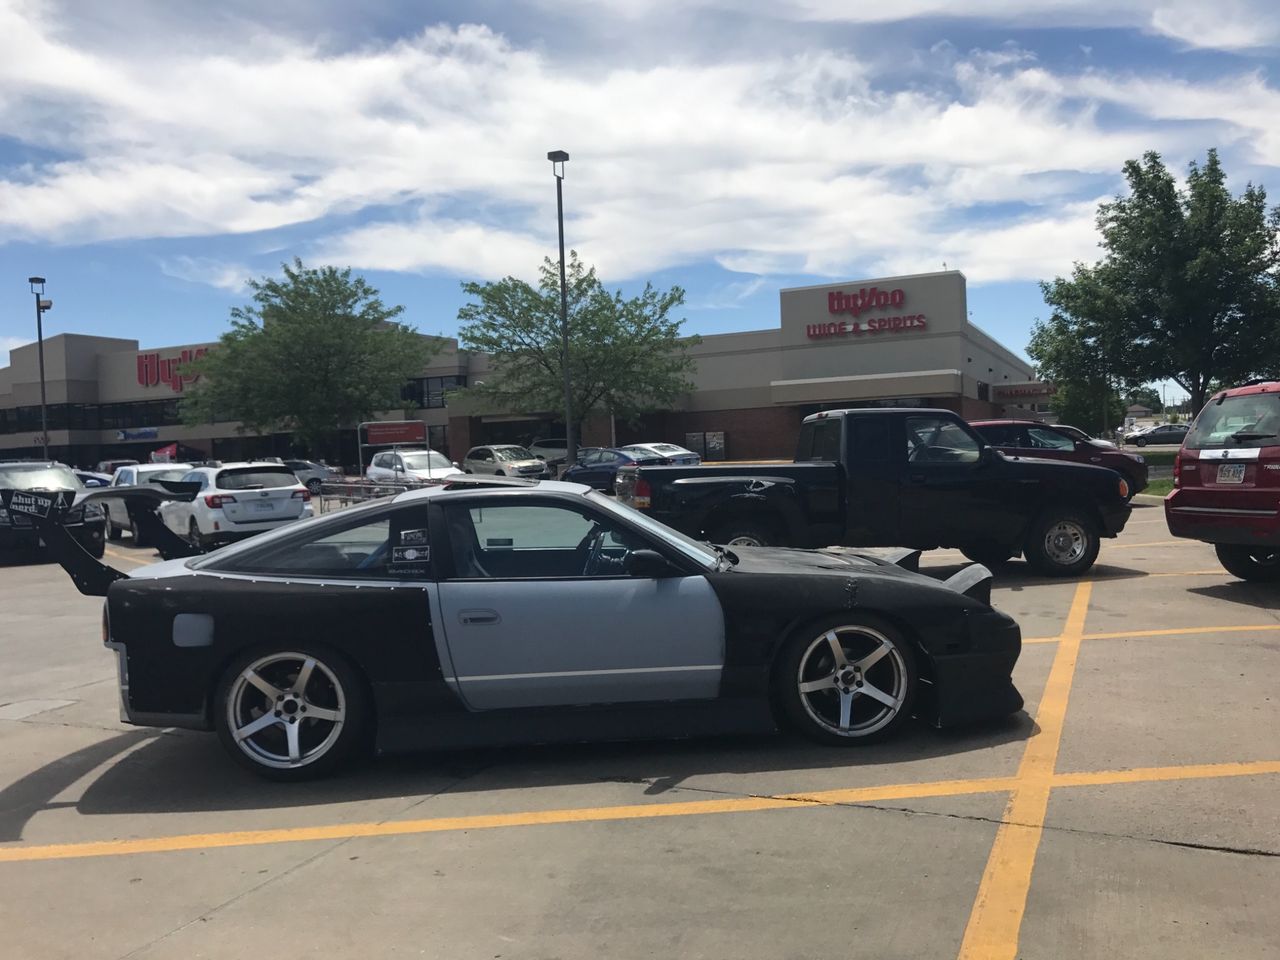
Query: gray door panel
[{"x": 534, "y": 643}]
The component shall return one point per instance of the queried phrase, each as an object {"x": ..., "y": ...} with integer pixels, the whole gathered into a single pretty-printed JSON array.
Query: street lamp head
[
  {"x": 557, "y": 156},
  {"x": 45, "y": 304},
  {"x": 36, "y": 282}
]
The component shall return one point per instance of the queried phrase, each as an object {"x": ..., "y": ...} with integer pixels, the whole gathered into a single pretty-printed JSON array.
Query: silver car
[
  {"x": 504, "y": 460},
  {"x": 118, "y": 518},
  {"x": 311, "y": 474}
]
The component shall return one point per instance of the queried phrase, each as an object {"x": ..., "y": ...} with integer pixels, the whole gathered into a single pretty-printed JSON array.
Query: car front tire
[
  {"x": 1062, "y": 543},
  {"x": 1259, "y": 564},
  {"x": 292, "y": 712},
  {"x": 745, "y": 533},
  {"x": 847, "y": 680},
  {"x": 314, "y": 487}
]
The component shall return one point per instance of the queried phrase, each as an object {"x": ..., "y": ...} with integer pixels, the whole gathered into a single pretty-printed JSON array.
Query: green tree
[
  {"x": 1149, "y": 397},
  {"x": 626, "y": 356},
  {"x": 1092, "y": 407},
  {"x": 315, "y": 352},
  {"x": 1189, "y": 287}
]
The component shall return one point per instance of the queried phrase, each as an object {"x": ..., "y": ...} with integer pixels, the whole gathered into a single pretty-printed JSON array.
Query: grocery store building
[{"x": 901, "y": 341}]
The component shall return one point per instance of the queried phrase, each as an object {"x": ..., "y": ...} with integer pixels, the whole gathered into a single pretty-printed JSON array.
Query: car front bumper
[{"x": 977, "y": 683}]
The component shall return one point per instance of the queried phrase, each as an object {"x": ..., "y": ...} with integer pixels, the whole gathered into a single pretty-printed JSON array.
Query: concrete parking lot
[{"x": 1131, "y": 812}]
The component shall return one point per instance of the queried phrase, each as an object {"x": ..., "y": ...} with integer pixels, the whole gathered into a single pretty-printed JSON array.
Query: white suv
[
  {"x": 237, "y": 500},
  {"x": 118, "y": 517},
  {"x": 411, "y": 466}
]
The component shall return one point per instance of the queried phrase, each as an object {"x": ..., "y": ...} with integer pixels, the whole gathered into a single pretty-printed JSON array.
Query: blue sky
[{"x": 154, "y": 155}]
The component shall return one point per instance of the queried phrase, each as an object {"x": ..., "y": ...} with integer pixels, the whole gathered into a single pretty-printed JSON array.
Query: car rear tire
[
  {"x": 313, "y": 487},
  {"x": 113, "y": 532},
  {"x": 194, "y": 535},
  {"x": 1259, "y": 564},
  {"x": 283, "y": 725},
  {"x": 989, "y": 556},
  {"x": 135, "y": 531},
  {"x": 1062, "y": 543},
  {"x": 847, "y": 680},
  {"x": 745, "y": 533}
]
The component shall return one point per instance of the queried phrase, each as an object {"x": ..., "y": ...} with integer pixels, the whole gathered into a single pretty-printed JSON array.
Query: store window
[{"x": 429, "y": 393}]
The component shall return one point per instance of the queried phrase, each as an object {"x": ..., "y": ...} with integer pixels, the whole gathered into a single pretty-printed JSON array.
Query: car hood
[
  {"x": 435, "y": 474},
  {"x": 1084, "y": 472},
  {"x": 837, "y": 562},
  {"x": 521, "y": 464}
]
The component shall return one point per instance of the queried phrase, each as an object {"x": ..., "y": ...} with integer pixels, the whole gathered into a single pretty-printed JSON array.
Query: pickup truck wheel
[
  {"x": 744, "y": 533},
  {"x": 291, "y": 713},
  {"x": 113, "y": 532},
  {"x": 1062, "y": 543},
  {"x": 135, "y": 531},
  {"x": 847, "y": 680},
  {"x": 990, "y": 557},
  {"x": 1261, "y": 564}
]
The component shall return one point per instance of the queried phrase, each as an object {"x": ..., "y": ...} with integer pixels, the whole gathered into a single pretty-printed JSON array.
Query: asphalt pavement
[{"x": 1130, "y": 811}]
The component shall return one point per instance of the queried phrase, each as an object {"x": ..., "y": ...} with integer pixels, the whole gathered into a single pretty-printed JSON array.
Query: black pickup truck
[{"x": 894, "y": 477}]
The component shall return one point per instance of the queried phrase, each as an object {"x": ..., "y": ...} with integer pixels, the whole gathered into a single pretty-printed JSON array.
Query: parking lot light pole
[
  {"x": 558, "y": 158},
  {"x": 37, "y": 288}
]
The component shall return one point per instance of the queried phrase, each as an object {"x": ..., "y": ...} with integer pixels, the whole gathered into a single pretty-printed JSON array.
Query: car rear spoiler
[{"x": 48, "y": 510}]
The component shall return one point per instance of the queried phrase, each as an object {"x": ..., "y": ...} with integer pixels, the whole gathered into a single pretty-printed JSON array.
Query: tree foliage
[
  {"x": 1148, "y": 397},
  {"x": 1188, "y": 289},
  {"x": 315, "y": 352},
  {"x": 626, "y": 356},
  {"x": 1093, "y": 407}
]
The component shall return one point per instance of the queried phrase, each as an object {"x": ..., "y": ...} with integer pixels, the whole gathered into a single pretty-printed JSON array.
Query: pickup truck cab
[{"x": 897, "y": 477}]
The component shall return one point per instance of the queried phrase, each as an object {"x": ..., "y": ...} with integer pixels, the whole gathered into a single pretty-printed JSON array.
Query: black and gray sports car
[{"x": 488, "y": 611}]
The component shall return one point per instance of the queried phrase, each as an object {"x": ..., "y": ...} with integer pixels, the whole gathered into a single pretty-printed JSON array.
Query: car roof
[
  {"x": 498, "y": 486},
  {"x": 156, "y": 466},
  {"x": 1247, "y": 389},
  {"x": 1011, "y": 422}
]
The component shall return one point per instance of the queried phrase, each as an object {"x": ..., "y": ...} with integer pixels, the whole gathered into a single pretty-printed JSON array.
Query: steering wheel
[{"x": 594, "y": 541}]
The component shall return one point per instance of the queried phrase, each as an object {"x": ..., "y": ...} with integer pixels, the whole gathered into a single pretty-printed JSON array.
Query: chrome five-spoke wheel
[
  {"x": 849, "y": 681},
  {"x": 287, "y": 712}
]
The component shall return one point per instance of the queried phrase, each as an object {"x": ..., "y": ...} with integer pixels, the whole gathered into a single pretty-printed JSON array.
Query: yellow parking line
[
  {"x": 1202, "y": 771},
  {"x": 344, "y": 831},
  {"x": 1173, "y": 632},
  {"x": 126, "y": 556},
  {"x": 996, "y": 918}
]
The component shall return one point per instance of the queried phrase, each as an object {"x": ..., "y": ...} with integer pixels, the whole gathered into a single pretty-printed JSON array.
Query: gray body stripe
[{"x": 591, "y": 673}]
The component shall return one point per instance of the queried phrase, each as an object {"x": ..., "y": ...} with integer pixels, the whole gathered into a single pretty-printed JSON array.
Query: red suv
[
  {"x": 1226, "y": 481},
  {"x": 1031, "y": 438}
]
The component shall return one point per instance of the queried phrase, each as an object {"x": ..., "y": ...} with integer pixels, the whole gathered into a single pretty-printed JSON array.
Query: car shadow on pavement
[
  {"x": 1264, "y": 596},
  {"x": 190, "y": 772}
]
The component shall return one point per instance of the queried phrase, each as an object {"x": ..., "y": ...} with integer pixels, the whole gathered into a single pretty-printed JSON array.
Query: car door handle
[
  {"x": 1095, "y": 459},
  {"x": 469, "y": 617}
]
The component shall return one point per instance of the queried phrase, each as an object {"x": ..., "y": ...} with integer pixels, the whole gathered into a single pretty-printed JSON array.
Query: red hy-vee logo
[
  {"x": 153, "y": 369},
  {"x": 866, "y": 298}
]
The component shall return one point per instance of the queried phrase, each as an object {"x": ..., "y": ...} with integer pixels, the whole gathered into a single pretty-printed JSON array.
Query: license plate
[
  {"x": 1231, "y": 473},
  {"x": 263, "y": 507}
]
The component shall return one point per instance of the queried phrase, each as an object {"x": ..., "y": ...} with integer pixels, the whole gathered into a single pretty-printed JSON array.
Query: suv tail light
[
  {"x": 216, "y": 500},
  {"x": 640, "y": 494},
  {"x": 303, "y": 495},
  {"x": 1177, "y": 469}
]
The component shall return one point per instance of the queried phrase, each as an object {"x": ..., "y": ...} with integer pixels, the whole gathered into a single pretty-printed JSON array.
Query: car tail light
[
  {"x": 216, "y": 500},
  {"x": 303, "y": 495},
  {"x": 1177, "y": 469},
  {"x": 640, "y": 494}
]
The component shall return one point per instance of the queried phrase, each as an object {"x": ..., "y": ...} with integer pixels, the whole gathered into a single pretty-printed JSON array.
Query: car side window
[
  {"x": 394, "y": 545},
  {"x": 820, "y": 440},
  {"x": 935, "y": 440},
  {"x": 125, "y": 479},
  {"x": 1042, "y": 439},
  {"x": 522, "y": 541}
]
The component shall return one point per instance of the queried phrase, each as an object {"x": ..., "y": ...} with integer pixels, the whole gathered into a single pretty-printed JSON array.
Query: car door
[
  {"x": 874, "y": 494},
  {"x": 952, "y": 494},
  {"x": 483, "y": 463},
  {"x": 1049, "y": 444},
  {"x": 538, "y": 611},
  {"x": 594, "y": 469},
  {"x": 176, "y": 514},
  {"x": 117, "y": 511}
]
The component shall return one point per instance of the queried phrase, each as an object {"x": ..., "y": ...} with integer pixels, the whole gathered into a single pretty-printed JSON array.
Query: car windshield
[
  {"x": 38, "y": 476},
  {"x": 698, "y": 552},
  {"x": 1251, "y": 420},
  {"x": 512, "y": 453},
  {"x": 430, "y": 460},
  {"x": 151, "y": 476},
  {"x": 255, "y": 478}
]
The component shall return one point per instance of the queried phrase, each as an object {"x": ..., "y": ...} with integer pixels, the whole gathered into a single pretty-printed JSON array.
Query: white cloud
[
  {"x": 231, "y": 277},
  {"x": 760, "y": 161}
]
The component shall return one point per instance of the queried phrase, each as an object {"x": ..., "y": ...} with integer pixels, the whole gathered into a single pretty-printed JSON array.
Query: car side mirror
[
  {"x": 987, "y": 455},
  {"x": 648, "y": 564}
]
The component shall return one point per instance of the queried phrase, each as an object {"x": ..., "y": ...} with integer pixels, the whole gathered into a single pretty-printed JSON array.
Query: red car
[
  {"x": 1031, "y": 438},
  {"x": 1226, "y": 481}
]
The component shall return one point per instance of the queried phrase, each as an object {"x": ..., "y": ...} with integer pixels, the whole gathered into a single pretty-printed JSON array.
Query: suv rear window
[
  {"x": 1248, "y": 420},
  {"x": 255, "y": 478}
]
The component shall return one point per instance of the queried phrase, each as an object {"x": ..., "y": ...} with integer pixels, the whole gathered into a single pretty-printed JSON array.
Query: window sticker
[
  {"x": 411, "y": 538},
  {"x": 410, "y": 554}
]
